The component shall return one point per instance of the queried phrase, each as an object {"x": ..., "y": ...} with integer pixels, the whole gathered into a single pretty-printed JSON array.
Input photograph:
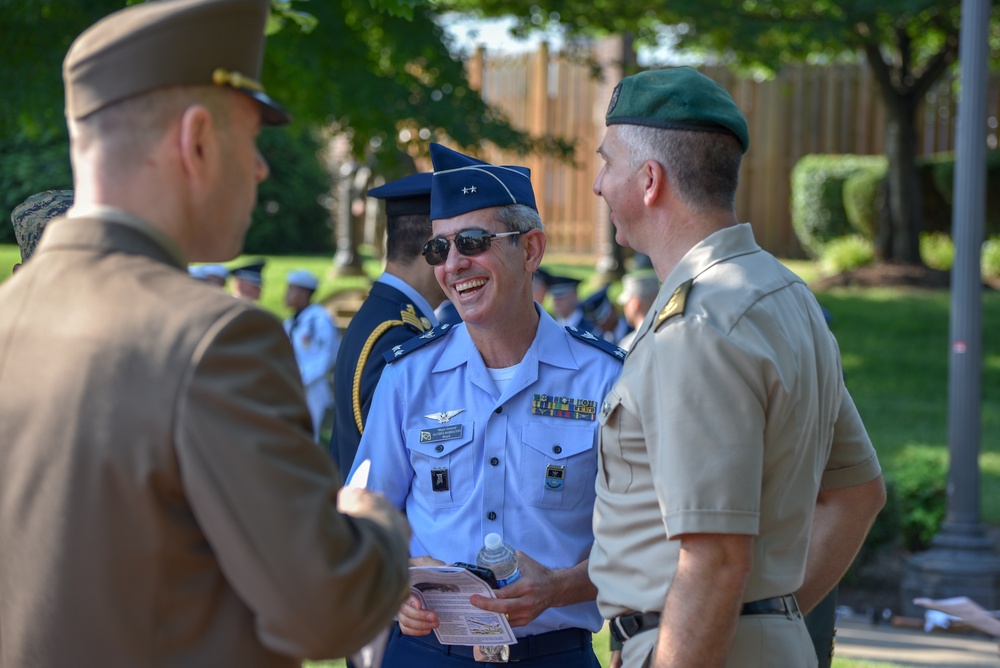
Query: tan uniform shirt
[
  {"x": 162, "y": 500},
  {"x": 728, "y": 418}
]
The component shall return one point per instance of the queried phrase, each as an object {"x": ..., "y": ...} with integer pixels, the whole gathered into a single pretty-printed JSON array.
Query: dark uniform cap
[
  {"x": 169, "y": 43},
  {"x": 408, "y": 196},
  {"x": 462, "y": 184},
  {"x": 597, "y": 306},
  {"x": 561, "y": 285},
  {"x": 250, "y": 272},
  {"x": 30, "y": 217},
  {"x": 677, "y": 99}
]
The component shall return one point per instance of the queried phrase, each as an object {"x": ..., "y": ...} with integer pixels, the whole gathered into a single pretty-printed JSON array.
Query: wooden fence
[{"x": 804, "y": 109}]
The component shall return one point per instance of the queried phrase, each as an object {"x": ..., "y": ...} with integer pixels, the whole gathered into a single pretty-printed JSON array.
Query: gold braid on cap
[
  {"x": 407, "y": 317},
  {"x": 223, "y": 77}
]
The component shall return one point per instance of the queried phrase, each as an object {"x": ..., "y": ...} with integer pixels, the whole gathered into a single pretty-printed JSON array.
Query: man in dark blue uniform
[{"x": 400, "y": 305}]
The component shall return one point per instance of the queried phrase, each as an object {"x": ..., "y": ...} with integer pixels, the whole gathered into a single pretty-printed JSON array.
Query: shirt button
[
  {"x": 494, "y": 461},
  {"x": 557, "y": 449},
  {"x": 491, "y": 515},
  {"x": 499, "y": 410},
  {"x": 439, "y": 448}
]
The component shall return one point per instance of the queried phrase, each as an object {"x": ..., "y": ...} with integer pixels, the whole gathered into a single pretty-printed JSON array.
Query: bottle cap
[{"x": 492, "y": 541}]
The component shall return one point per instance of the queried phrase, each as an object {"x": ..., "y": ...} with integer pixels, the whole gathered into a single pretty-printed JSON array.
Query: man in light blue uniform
[
  {"x": 315, "y": 340},
  {"x": 490, "y": 425}
]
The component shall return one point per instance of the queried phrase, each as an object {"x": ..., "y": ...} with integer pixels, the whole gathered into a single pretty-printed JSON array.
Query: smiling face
[
  {"x": 619, "y": 185},
  {"x": 493, "y": 287}
]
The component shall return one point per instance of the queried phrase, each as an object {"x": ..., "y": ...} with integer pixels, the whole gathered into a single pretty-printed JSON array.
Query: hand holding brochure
[{"x": 446, "y": 590}]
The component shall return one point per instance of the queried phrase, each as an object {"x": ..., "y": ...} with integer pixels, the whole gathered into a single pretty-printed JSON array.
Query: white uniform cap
[{"x": 303, "y": 279}]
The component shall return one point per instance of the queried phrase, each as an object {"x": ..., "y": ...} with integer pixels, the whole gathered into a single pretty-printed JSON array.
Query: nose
[
  {"x": 455, "y": 261},
  {"x": 597, "y": 182},
  {"x": 262, "y": 171}
]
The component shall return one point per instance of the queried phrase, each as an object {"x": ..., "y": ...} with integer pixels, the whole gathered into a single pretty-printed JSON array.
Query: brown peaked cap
[{"x": 164, "y": 43}]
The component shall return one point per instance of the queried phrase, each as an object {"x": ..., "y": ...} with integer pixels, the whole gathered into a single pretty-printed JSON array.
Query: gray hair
[
  {"x": 519, "y": 218},
  {"x": 704, "y": 167}
]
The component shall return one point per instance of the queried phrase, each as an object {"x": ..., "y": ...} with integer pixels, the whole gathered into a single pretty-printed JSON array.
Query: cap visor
[{"x": 271, "y": 113}]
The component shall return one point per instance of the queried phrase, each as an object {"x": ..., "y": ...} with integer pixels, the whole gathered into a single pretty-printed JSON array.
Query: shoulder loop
[
  {"x": 598, "y": 342},
  {"x": 408, "y": 347},
  {"x": 675, "y": 305}
]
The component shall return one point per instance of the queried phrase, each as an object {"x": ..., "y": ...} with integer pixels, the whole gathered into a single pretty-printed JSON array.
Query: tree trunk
[{"x": 898, "y": 238}]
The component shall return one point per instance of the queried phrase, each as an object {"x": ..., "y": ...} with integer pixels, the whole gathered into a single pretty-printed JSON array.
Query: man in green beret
[
  {"x": 737, "y": 481},
  {"x": 32, "y": 215},
  {"x": 163, "y": 502}
]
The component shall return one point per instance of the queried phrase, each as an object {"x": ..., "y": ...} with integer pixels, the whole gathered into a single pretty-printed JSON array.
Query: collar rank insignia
[
  {"x": 444, "y": 417},
  {"x": 404, "y": 349},
  {"x": 597, "y": 342},
  {"x": 675, "y": 305}
]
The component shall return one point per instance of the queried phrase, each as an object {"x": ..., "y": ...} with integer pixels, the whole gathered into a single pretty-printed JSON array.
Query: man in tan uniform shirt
[
  {"x": 162, "y": 500},
  {"x": 736, "y": 481}
]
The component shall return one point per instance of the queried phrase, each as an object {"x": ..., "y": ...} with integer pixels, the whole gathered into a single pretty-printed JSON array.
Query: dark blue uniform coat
[{"x": 384, "y": 304}]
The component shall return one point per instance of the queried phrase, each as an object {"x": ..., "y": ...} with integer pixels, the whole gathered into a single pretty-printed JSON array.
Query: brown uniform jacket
[{"x": 162, "y": 502}]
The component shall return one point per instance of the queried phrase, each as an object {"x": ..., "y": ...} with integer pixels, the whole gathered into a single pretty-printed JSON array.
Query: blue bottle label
[{"x": 510, "y": 579}]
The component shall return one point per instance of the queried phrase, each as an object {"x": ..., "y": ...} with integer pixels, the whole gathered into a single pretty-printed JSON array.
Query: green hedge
[
  {"x": 864, "y": 199},
  {"x": 288, "y": 218},
  {"x": 942, "y": 175},
  {"x": 818, "y": 213}
]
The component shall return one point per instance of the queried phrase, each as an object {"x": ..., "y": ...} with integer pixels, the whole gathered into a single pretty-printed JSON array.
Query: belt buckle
[{"x": 491, "y": 653}]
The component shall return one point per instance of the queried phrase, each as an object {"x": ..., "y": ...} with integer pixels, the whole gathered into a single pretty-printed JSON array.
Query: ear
[
  {"x": 198, "y": 144},
  {"x": 654, "y": 182},
  {"x": 533, "y": 243}
]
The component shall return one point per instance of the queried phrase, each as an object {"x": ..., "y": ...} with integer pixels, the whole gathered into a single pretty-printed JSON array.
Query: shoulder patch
[
  {"x": 404, "y": 349},
  {"x": 675, "y": 305},
  {"x": 598, "y": 342}
]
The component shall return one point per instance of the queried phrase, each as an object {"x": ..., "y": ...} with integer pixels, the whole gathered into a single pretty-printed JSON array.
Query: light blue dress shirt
[{"x": 463, "y": 460}]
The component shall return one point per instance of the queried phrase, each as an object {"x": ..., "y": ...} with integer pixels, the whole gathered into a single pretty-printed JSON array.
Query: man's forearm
[{"x": 840, "y": 524}]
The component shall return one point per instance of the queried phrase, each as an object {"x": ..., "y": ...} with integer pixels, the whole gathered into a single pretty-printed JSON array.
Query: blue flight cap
[
  {"x": 561, "y": 285},
  {"x": 462, "y": 184},
  {"x": 408, "y": 196}
]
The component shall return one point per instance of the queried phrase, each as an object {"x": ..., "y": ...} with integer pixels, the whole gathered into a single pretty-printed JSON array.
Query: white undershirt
[{"x": 502, "y": 377}]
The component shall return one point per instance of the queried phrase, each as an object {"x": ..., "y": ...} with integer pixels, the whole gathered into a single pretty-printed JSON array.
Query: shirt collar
[{"x": 122, "y": 217}]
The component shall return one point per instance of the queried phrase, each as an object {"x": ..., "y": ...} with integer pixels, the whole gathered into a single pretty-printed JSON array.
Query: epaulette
[
  {"x": 675, "y": 305},
  {"x": 408, "y": 347},
  {"x": 599, "y": 343}
]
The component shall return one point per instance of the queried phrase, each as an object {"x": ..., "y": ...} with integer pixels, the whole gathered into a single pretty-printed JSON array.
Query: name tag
[{"x": 446, "y": 433}]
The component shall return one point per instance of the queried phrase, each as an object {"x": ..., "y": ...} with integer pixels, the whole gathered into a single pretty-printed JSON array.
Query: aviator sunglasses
[{"x": 467, "y": 242}]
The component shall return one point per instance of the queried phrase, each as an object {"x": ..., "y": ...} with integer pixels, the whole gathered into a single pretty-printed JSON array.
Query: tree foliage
[
  {"x": 909, "y": 45},
  {"x": 369, "y": 72}
]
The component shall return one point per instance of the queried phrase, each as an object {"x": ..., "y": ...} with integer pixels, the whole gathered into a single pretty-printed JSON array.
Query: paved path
[{"x": 857, "y": 639}]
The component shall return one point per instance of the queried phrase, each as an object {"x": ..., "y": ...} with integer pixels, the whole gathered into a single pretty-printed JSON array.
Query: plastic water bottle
[{"x": 499, "y": 557}]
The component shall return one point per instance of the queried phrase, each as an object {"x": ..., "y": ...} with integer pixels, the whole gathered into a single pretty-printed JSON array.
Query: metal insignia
[{"x": 444, "y": 417}]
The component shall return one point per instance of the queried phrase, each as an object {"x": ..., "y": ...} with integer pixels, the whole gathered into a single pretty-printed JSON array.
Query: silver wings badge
[{"x": 445, "y": 416}]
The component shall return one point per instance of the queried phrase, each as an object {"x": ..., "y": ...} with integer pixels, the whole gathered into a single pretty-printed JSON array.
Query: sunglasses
[{"x": 467, "y": 243}]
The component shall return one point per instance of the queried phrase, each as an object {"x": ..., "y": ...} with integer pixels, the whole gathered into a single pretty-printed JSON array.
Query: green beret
[
  {"x": 156, "y": 45},
  {"x": 30, "y": 217},
  {"x": 677, "y": 99}
]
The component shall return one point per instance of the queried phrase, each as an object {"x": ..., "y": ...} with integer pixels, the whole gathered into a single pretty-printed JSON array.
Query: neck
[
  {"x": 504, "y": 345},
  {"x": 420, "y": 276},
  {"x": 678, "y": 233}
]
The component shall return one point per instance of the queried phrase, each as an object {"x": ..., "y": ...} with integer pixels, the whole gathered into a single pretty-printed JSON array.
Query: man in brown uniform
[
  {"x": 163, "y": 502},
  {"x": 736, "y": 481}
]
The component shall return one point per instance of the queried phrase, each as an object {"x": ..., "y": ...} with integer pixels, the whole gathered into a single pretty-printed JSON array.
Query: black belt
[
  {"x": 528, "y": 647},
  {"x": 627, "y": 626}
]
